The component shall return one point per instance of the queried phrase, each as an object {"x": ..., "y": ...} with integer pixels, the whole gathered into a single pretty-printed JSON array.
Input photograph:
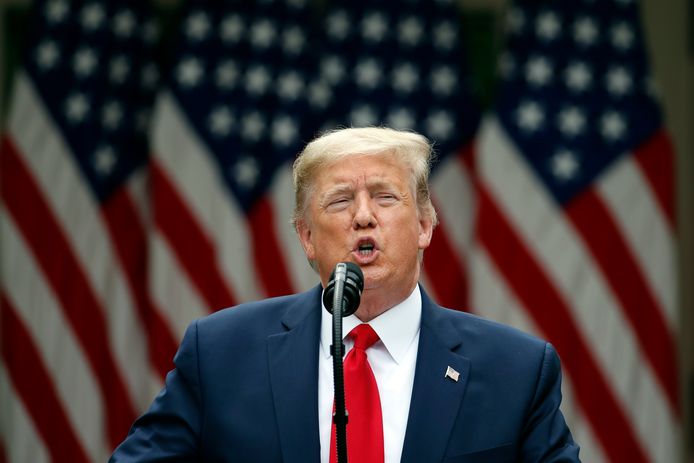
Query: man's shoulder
[
  {"x": 264, "y": 315},
  {"x": 478, "y": 334},
  {"x": 471, "y": 321}
]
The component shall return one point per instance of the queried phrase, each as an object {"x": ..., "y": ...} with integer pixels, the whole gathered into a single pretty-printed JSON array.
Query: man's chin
[{"x": 373, "y": 278}]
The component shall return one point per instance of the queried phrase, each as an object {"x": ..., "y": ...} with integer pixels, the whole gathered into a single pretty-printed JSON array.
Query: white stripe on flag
[
  {"x": 492, "y": 299},
  {"x": 641, "y": 221},
  {"x": 581, "y": 430},
  {"x": 64, "y": 360},
  {"x": 282, "y": 196},
  {"x": 171, "y": 290},
  {"x": 455, "y": 199},
  {"x": 138, "y": 188},
  {"x": 554, "y": 244},
  {"x": 78, "y": 214},
  {"x": 20, "y": 438},
  {"x": 189, "y": 166}
]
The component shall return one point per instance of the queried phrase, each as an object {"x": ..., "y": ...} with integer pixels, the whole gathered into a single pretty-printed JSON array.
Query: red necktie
[{"x": 365, "y": 425}]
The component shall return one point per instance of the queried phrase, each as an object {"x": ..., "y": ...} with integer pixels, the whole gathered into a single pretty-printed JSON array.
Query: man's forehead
[{"x": 352, "y": 176}]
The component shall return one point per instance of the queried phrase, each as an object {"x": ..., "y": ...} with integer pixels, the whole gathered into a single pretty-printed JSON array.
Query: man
[{"x": 254, "y": 383}]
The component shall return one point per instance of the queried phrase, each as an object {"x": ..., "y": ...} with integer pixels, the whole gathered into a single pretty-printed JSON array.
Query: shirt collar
[{"x": 397, "y": 327}]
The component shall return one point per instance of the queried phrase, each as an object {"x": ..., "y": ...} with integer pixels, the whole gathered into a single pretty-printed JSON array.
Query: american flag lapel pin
[{"x": 452, "y": 374}]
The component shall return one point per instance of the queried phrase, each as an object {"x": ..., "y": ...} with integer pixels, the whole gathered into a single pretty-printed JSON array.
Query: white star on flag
[
  {"x": 119, "y": 69},
  {"x": 189, "y": 72},
  {"x": 197, "y": 26},
  {"x": 618, "y": 81},
  {"x": 374, "y": 27},
  {"x": 410, "y": 31},
  {"x": 529, "y": 116},
  {"x": 221, "y": 121},
  {"x": 76, "y": 108},
  {"x": 124, "y": 23},
  {"x": 585, "y": 32},
  {"x": 258, "y": 79},
  {"x": 232, "y": 29},
  {"x": 404, "y": 78},
  {"x": 612, "y": 126},
  {"x": 226, "y": 75},
  {"x": 92, "y": 16},
  {"x": 84, "y": 62},
  {"x": 548, "y": 26},
  {"x": 246, "y": 172},
  {"x": 47, "y": 55},
  {"x": 571, "y": 121},
  {"x": 538, "y": 71},
  {"x": 104, "y": 160},
  {"x": 564, "y": 165},
  {"x": 578, "y": 76},
  {"x": 368, "y": 73}
]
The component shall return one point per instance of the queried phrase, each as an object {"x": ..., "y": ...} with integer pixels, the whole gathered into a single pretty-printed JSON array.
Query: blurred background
[{"x": 145, "y": 182}]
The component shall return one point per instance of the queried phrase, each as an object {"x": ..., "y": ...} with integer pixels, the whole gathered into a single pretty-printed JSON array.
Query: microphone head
[{"x": 353, "y": 286}]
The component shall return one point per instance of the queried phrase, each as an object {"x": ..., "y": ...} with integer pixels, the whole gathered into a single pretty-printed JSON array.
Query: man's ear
[
  {"x": 426, "y": 230},
  {"x": 303, "y": 230}
]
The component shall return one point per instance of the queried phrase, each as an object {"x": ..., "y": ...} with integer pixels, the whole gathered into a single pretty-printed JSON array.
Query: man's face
[{"x": 362, "y": 209}]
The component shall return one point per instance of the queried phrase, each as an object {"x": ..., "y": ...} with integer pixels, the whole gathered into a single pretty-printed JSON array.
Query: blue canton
[
  {"x": 398, "y": 64},
  {"x": 575, "y": 92},
  {"x": 93, "y": 64},
  {"x": 243, "y": 74}
]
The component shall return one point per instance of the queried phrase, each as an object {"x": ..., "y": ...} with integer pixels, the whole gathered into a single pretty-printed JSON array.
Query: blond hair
[{"x": 413, "y": 150}]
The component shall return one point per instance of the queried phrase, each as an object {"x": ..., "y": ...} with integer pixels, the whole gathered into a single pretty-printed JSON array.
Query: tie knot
[{"x": 364, "y": 336}]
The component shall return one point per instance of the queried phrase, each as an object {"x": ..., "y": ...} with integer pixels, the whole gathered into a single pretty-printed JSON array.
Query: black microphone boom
[
  {"x": 352, "y": 277},
  {"x": 341, "y": 297}
]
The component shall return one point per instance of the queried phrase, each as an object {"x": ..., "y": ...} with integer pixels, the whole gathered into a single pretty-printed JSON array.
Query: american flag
[
  {"x": 235, "y": 112},
  {"x": 106, "y": 258},
  {"x": 576, "y": 229},
  {"x": 77, "y": 360},
  {"x": 251, "y": 85},
  {"x": 402, "y": 64}
]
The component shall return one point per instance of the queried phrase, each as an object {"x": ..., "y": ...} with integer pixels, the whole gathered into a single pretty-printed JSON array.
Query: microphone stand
[{"x": 337, "y": 349}]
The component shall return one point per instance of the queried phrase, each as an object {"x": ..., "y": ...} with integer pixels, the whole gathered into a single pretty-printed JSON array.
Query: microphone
[
  {"x": 341, "y": 297},
  {"x": 347, "y": 279}
]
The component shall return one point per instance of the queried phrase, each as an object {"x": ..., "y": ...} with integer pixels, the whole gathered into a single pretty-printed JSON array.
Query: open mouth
[{"x": 366, "y": 248}]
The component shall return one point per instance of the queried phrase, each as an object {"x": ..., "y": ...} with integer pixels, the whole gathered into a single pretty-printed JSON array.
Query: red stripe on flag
[
  {"x": 445, "y": 271},
  {"x": 3, "y": 452},
  {"x": 551, "y": 313},
  {"x": 130, "y": 241},
  {"x": 600, "y": 233},
  {"x": 269, "y": 260},
  {"x": 33, "y": 384},
  {"x": 79, "y": 303},
  {"x": 657, "y": 161},
  {"x": 193, "y": 249},
  {"x": 450, "y": 281},
  {"x": 466, "y": 157}
]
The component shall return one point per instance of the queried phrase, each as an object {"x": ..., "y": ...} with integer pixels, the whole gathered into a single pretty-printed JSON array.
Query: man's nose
[{"x": 364, "y": 213}]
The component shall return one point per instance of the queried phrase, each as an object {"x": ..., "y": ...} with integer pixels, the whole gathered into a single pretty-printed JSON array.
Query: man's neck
[{"x": 374, "y": 302}]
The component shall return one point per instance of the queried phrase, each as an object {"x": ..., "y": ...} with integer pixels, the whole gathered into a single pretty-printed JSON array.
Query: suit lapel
[
  {"x": 293, "y": 363},
  {"x": 436, "y": 399}
]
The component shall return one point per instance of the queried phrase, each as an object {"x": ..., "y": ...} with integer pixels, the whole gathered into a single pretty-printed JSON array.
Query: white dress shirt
[{"x": 392, "y": 360}]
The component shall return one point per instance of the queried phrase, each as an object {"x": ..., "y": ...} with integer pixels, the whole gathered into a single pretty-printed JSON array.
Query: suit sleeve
[
  {"x": 170, "y": 429},
  {"x": 546, "y": 436}
]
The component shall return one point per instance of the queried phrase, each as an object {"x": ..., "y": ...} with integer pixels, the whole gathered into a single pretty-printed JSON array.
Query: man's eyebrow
[
  {"x": 380, "y": 183},
  {"x": 335, "y": 190},
  {"x": 385, "y": 184}
]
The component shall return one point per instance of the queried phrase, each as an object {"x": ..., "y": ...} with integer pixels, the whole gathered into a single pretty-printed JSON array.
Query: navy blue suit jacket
[{"x": 245, "y": 389}]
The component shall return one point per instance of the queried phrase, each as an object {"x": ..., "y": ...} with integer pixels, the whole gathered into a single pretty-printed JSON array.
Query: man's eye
[
  {"x": 386, "y": 197},
  {"x": 338, "y": 202}
]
